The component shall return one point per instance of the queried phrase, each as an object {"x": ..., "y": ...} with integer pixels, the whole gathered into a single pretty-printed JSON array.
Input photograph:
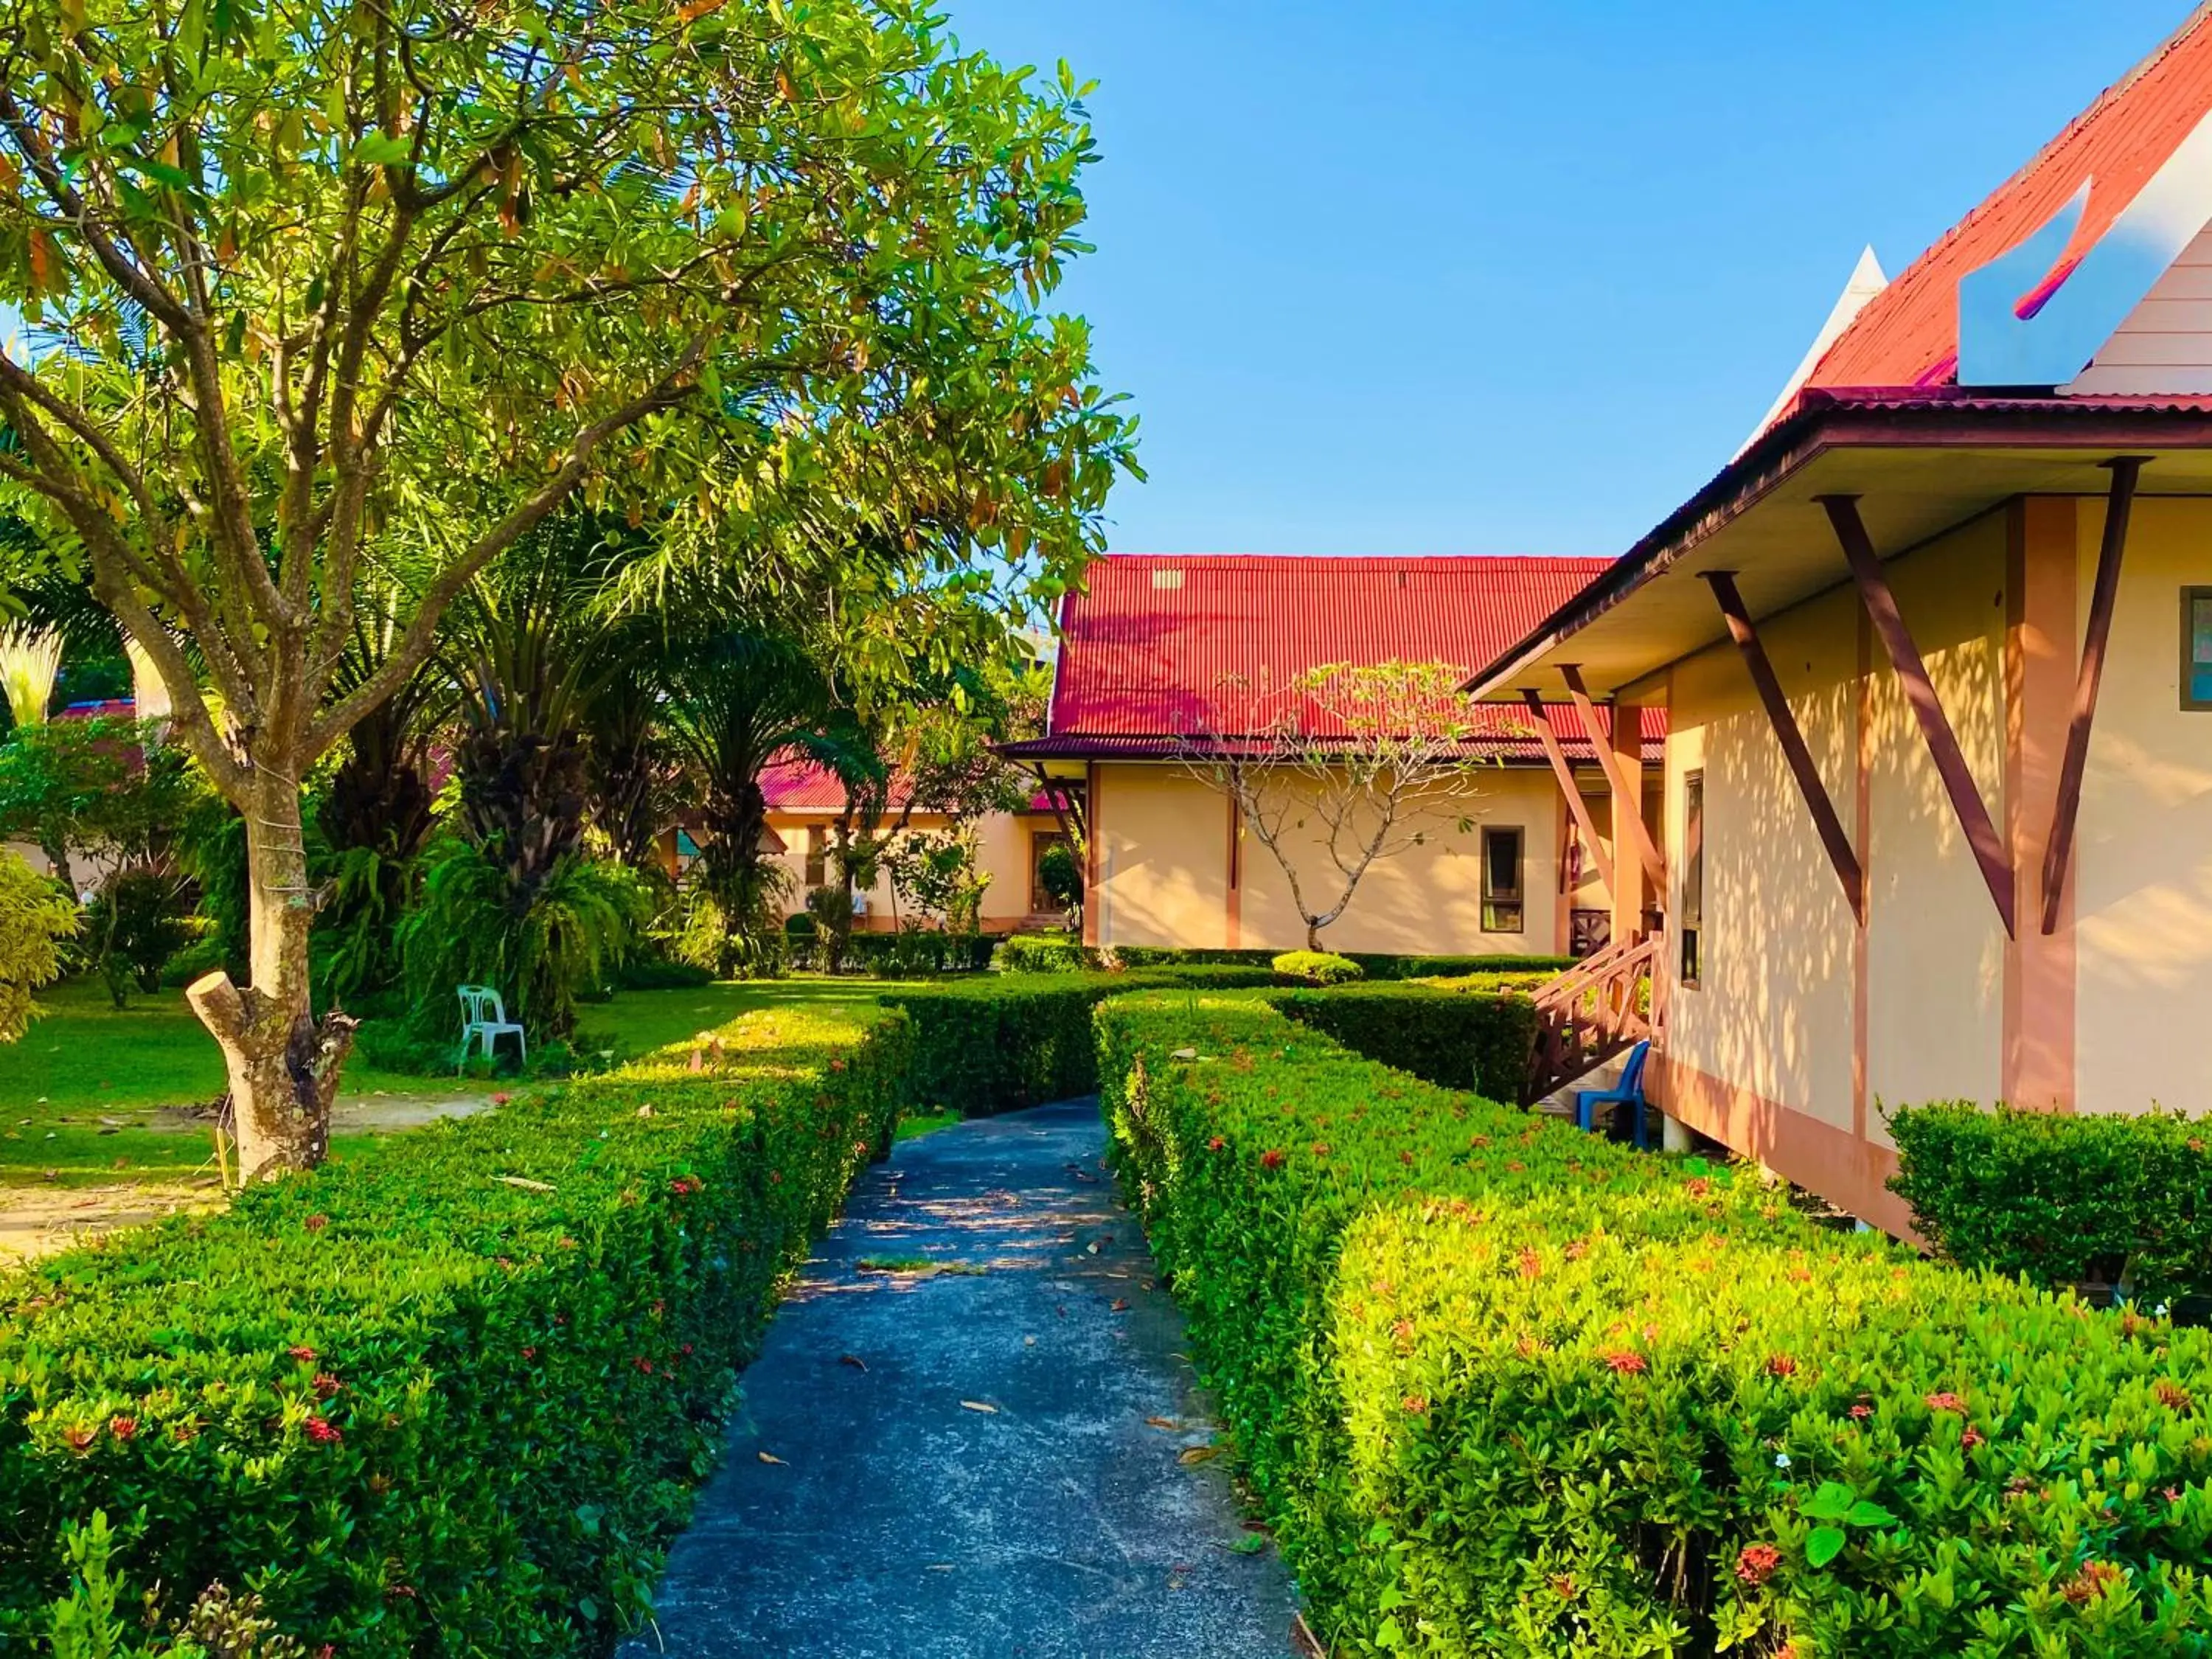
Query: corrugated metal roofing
[
  {"x": 1908, "y": 335},
  {"x": 1167, "y": 646},
  {"x": 794, "y": 784}
]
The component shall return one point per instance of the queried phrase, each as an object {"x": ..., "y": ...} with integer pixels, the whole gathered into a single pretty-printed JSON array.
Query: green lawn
[{"x": 84, "y": 1093}]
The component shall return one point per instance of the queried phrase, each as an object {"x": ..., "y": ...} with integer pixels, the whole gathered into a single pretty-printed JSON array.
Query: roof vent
[{"x": 1165, "y": 580}]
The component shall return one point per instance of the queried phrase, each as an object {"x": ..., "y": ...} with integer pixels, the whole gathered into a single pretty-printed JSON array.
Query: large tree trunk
[{"x": 284, "y": 1064}]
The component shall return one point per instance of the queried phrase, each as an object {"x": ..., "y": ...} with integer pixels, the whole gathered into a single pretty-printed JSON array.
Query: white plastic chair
[{"x": 483, "y": 1017}]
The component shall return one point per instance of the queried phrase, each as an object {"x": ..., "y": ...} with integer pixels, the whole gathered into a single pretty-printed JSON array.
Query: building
[
  {"x": 1936, "y": 655},
  {"x": 805, "y": 801},
  {"x": 1161, "y": 659}
]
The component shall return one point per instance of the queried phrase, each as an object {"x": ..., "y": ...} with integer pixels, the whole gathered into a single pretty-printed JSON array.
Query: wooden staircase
[{"x": 1603, "y": 1005}]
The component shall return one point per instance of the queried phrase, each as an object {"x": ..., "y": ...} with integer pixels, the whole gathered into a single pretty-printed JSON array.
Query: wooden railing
[{"x": 1602, "y": 1004}]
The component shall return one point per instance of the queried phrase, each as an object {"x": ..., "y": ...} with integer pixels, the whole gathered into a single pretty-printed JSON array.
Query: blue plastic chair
[{"x": 1629, "y": 1092}]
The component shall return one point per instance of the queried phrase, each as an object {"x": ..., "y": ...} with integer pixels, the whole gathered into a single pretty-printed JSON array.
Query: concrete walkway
[{"x": 983, "y": 1460}]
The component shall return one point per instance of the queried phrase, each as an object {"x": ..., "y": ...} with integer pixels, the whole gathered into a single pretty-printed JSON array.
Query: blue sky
[{"x": 1462, "y": 276}]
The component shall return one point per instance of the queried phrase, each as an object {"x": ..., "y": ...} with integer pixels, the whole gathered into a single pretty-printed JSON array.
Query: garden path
[{"x": 983, "y": 1458}]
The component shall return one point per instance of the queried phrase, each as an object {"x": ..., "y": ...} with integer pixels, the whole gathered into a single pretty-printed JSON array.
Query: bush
[
  {"x": 1374, "y": 964},
  {"x": 137, "y": 920},
  {"x": 36, "y": 915},
  {"x": 1045, "y": 953},
  {"x": 1316, "y": 968},
  {"x": 653, "y": 972},
  {"x": 1453, "y": 1039},
  {"x": 570, "y": 934},
  {"x": 990, "y": 1045},
  {"x": 1505, "y": 1389},
  {"x": 447, "y": 1396},
  {"x": 2063, "y": 1200}
]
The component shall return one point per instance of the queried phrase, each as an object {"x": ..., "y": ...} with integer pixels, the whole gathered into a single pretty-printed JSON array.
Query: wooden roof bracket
[
  {"x": 1973, "y": 815},
  {"x": 1654, "y": 867},
  {"x": 1841, "y": 856},
  {"x": 2058, "y": 849},
  {"x": 1566, "y": 775}
]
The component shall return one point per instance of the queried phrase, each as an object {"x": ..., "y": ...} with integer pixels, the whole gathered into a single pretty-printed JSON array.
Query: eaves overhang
[{"x": 1920, "y": 461}]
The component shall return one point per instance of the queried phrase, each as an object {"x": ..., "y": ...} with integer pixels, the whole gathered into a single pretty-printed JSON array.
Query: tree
[
  {"x": 1339, "y": 767},
  {"x": 35, "y": 916},
  {"x": 735, "y": 701},
  {"x": 318, "y": 283}
]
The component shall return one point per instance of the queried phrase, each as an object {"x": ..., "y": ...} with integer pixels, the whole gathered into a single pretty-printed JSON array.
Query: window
[
  {"x": 2197, "y": 647},
  {"x": 1693, "y": 873},
  {"x": 1042, "y": 841},
  {"x": 817, "y": 849},
  {"x": 1501, "y": 881}
]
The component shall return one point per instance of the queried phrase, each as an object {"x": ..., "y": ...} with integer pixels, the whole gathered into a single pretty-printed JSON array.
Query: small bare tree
[{"x": 1338, "y": 768}]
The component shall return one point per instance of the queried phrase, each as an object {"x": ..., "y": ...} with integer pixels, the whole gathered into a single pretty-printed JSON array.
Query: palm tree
[{"x": 736, "y": 701}]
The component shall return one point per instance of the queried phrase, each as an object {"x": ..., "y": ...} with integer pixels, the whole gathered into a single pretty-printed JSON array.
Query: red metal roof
[
  {"x": 1159, "y": 649},
  {"x": 1908, "y": 335},
  {"x": 793, "y": 784}
]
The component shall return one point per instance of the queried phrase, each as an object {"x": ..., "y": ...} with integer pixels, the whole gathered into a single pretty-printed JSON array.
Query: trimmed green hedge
[
  {"x": 450, "y": 1395},
  {"x": 1454, "y": 1038},
  {"x": 1505, "y": 1389},
  {"x": 990, "y": 1045},
  {"x": 1039, "y": 953},
  {"x": 2063, "y": 1198}
]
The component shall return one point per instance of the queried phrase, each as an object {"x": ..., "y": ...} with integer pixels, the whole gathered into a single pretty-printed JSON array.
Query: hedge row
[
  {"x": 1037, "y": 953},
  {"x": 993, "y": 1044},
  {"x": 1505, "y": 1389},
  {"x": 2065, "y": 1199},
  {"x": 1453, "y": 1038},
  {"x": 449, "y": 1396}
]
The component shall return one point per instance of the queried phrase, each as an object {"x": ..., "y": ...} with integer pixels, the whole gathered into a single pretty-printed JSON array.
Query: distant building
[{"x": 1155, "y": 652}]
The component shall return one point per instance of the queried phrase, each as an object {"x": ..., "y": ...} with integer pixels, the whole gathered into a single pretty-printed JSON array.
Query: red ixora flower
[
  {"x": 122, "y": 1428},
  {"x": 1415, "y": 1404},
  {"x": 1626, "y": 1362},
  {"x": 1756, "y": 1564},
  {"x": 501, "y": 1098},
  {"x": 1945, "y": 1400},
  {"x": 322, "y": 1430},
  {"x": 1216, "y": 1143},
  {"x": 1861, "y": 1412},
  {"x": 1781, "y": 1364},
  {"x": 1271, "y": 1158},
  {"x": 301, "y": 1353},
  {"x": 643, "y": 1365},
  {"x": 1697, "y": 1186},
  {"x": 315, "y": 1223},
  {"x": 685, "y": 1185},
  {"x": 325, "y": 1385},
  {"x": 1972, "y": 1437}
]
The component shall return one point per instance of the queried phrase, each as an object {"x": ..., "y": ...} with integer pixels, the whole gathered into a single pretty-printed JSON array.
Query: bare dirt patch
[{"x": 36, "y": 1221}]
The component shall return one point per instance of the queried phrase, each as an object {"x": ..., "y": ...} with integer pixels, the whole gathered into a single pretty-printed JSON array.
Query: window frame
[
  {"x": 2192, "y": 596},
  {"x": 1495, "y": 905},
  {"x": 1690, "y": 922},
  {"x": 815, "y": 869}
]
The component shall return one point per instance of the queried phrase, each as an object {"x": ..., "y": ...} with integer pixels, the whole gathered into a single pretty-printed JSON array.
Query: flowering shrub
[
  {"x": 448, "y": 1395},
  {"x": 1505, "y": 1389}
]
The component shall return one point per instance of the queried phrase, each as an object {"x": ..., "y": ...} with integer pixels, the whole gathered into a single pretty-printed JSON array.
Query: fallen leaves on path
[
  {"x": 769, "y": 1457},
  {"x": 978, "y": 1406},
  {"x": 1191, "y": 1456},
  {"x": 1167, "y": 1422},
  {"x": 853, "y": 1360}
]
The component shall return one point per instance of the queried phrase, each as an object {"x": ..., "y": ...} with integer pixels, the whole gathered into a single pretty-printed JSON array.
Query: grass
[
  {"x": 924, "y": 1123},
  {"x": 90, "y": 1091}
]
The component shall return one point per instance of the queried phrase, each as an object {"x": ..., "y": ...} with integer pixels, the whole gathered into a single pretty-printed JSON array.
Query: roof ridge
[{"x": 2042, "y": 157}]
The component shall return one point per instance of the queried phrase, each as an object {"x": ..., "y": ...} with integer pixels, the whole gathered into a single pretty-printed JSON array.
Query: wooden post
[
  {"x": 2058, "y": 853},
  {"x": 1549, "y": 738},
  {"x": 1904, "y": 658},
  {"x": 1608, "y": 748},
  {"x": 1841, "y": 858}
]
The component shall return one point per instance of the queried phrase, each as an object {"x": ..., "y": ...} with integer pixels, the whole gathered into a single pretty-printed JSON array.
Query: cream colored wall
[
  {"x": 1002, "y": 852},
  {"x": 1935, "y": 947},
  {"x": 1162, "y": 859},
  {"x": 1163, "y": 853},
  {"x": 1775, "y": 1011},
  {"x": 1772, "y": 1010},
  {"x": 2143, "y": 854}
]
